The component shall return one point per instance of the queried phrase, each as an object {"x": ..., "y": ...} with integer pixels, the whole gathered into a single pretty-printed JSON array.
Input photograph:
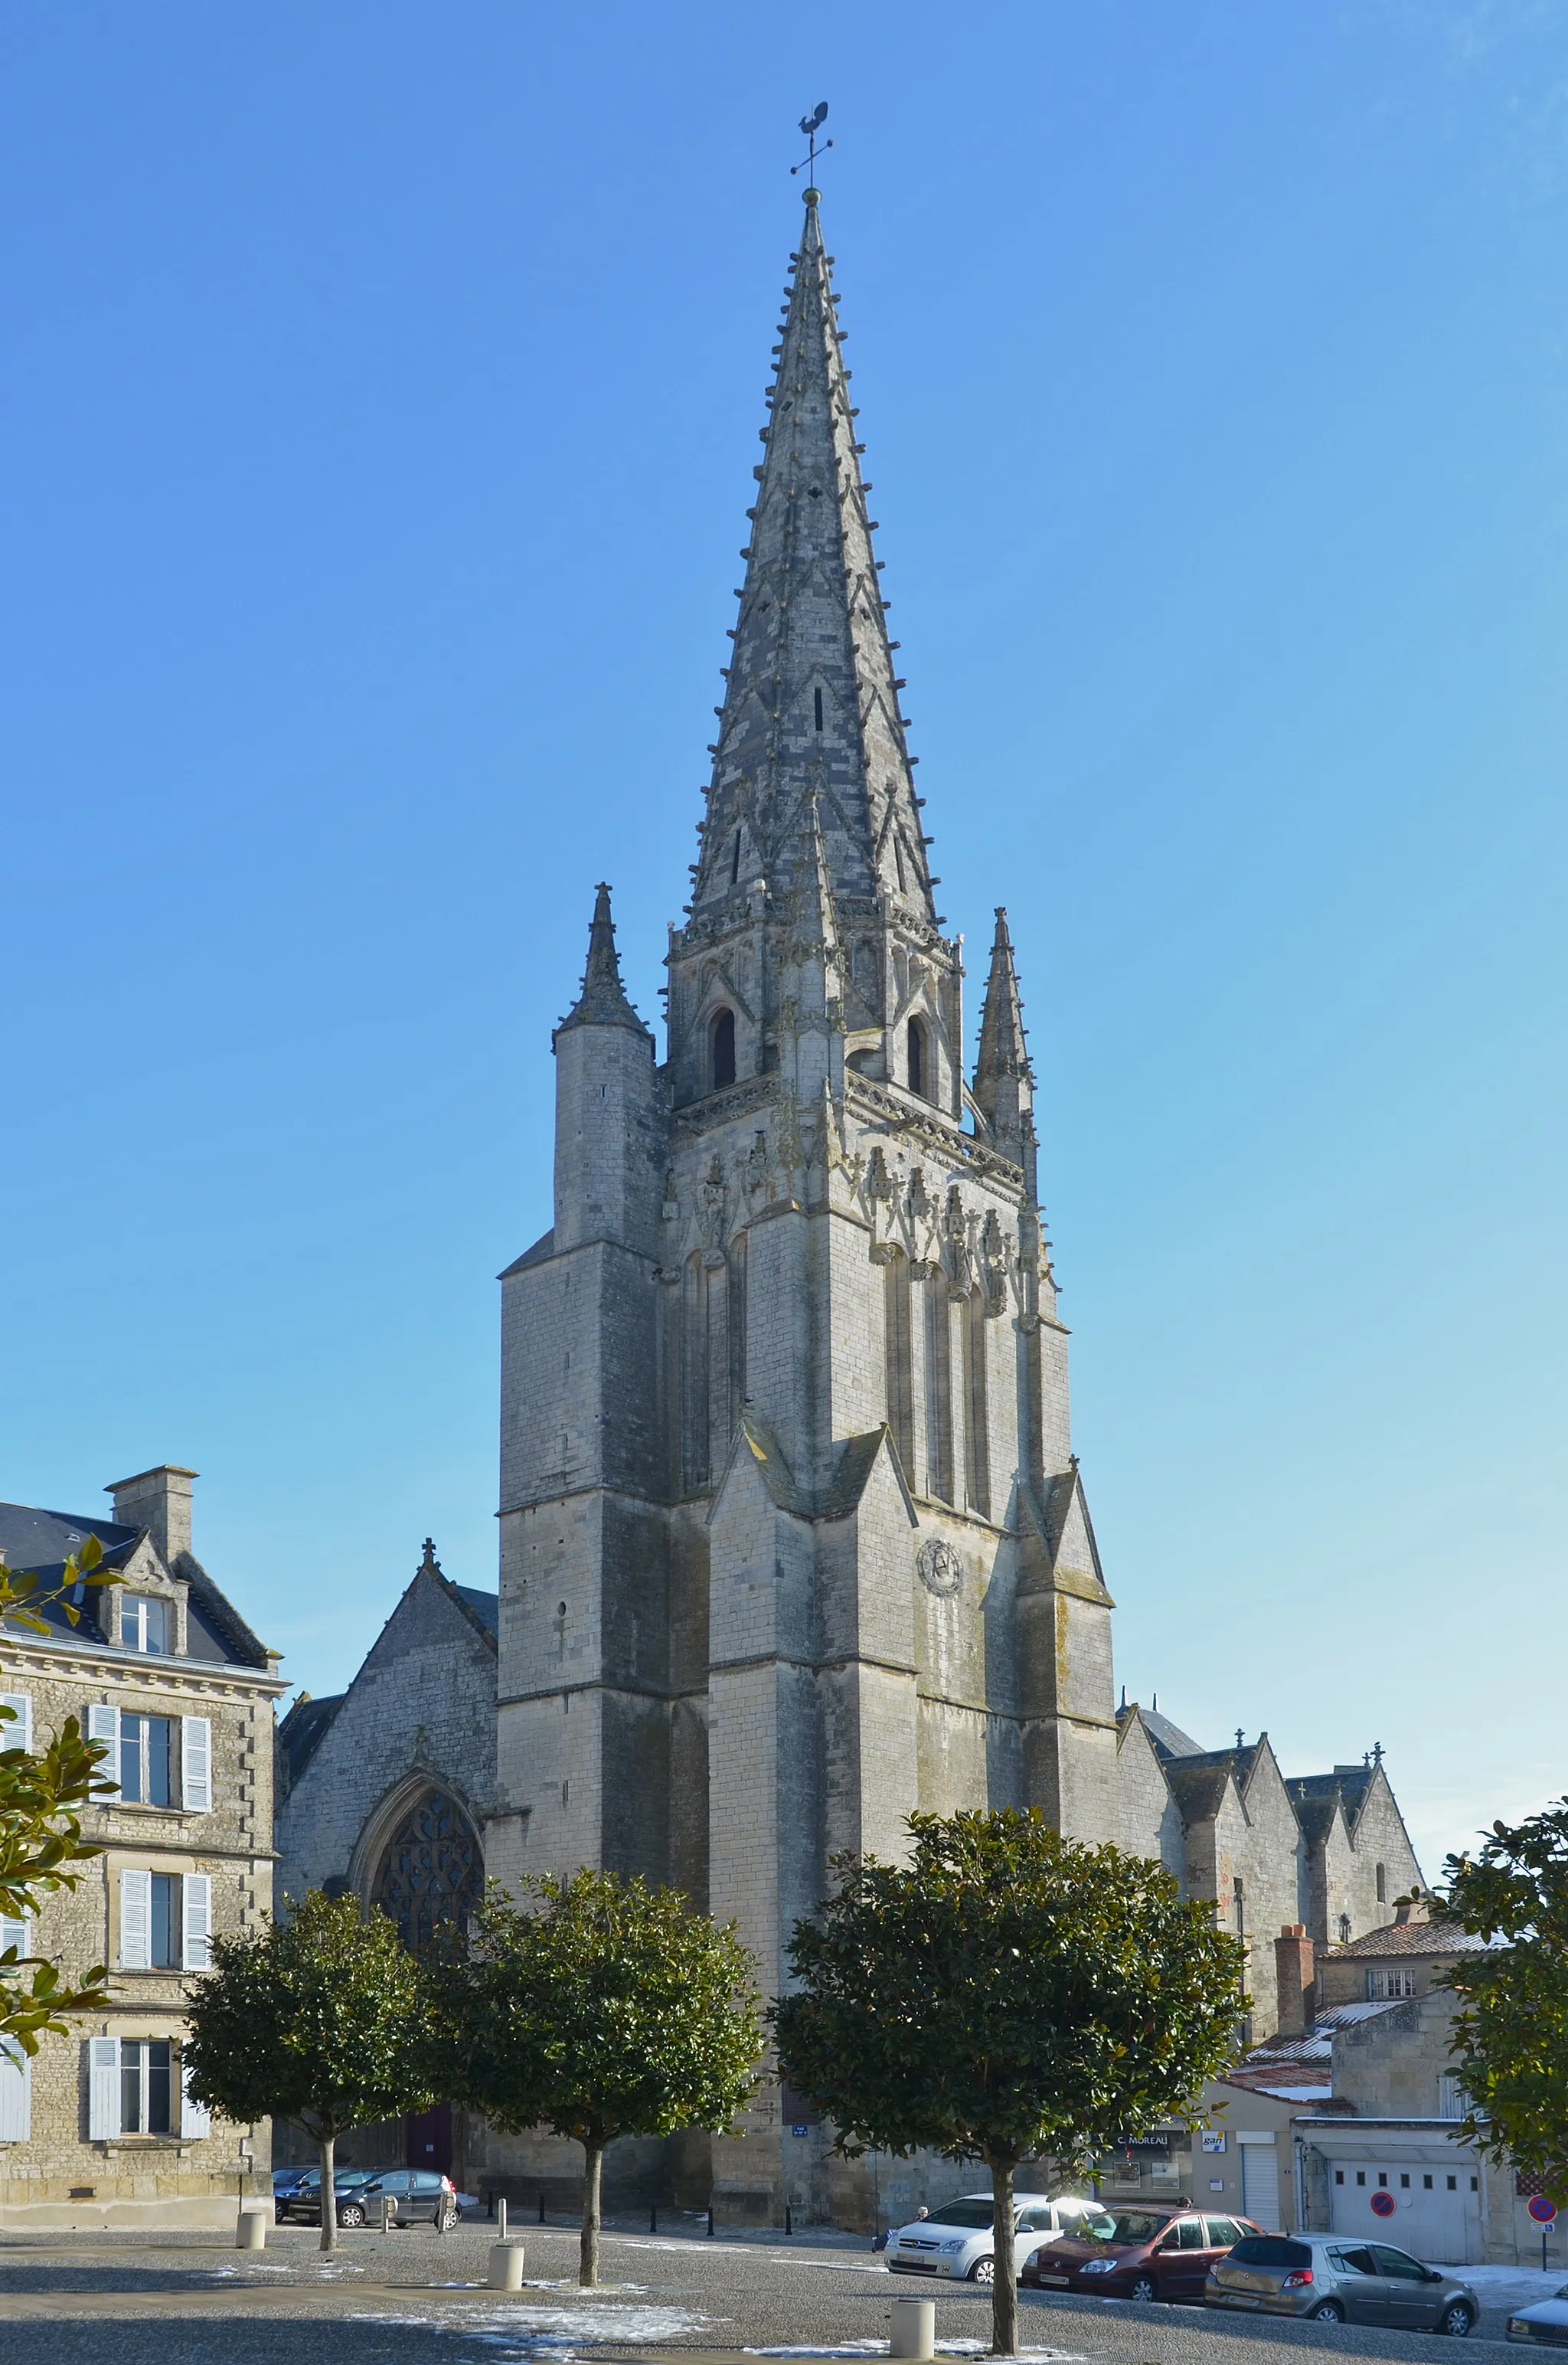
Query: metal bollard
[
  {"x": 709, "y": 2221},
  {"x": 913, "y": 2328},
  {"x": 542, "y": 2207},
  {"x": 388, "y": 2212},
  {"x": 506, "y": 2267},
  {"x": 501, "y": 2217},
  {"x": 654, "y": 2220},
  {"x": 251, "y": 2234}
]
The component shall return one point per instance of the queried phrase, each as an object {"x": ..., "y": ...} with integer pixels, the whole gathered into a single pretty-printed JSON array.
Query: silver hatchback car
[{"x": 1335, "y": 2279}]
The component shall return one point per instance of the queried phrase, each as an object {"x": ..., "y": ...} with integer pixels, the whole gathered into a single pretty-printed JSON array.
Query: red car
[{"x": 1137, "y": 2254}]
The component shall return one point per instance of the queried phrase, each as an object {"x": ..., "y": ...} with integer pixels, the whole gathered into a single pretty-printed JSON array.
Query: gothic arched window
[
  {"x": 431, "y": 1874},
  {"x": 723, "y": 1050},
  {"x": 916, "y": 1057}
]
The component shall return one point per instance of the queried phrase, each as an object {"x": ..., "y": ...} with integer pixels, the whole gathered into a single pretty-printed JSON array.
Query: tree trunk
[
  {"x": 325, "y": 2147},
  {"x": 593, "y": 2173},
  {"x": 1005, "y": 2289}
]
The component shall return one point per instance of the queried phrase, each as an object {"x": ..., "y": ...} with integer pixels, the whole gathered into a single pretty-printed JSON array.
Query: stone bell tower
[{"x": 792, "y": 1538}]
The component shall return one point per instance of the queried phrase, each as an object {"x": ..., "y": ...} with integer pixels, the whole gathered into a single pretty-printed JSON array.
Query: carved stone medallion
[{"x": 938, "y": 1566}]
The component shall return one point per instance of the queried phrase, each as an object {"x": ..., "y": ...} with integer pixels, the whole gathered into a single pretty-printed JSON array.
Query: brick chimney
[
  {"x": 1293, "y": 1973},
  {"x": 159, "y": 1500}
]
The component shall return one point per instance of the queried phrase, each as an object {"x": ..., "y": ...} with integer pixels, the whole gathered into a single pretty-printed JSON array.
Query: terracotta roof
[{"x": 1411, "y": 1938}]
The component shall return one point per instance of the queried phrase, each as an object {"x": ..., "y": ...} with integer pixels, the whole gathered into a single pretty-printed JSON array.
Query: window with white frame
[
  {"x": 140, "y": 1756},
  {"x": 144, "y": 1623},
  {"x": 165, "y": 1921},
  {"x": 1383, "y": 1985},
  {"x": 138, "y": 2086}
]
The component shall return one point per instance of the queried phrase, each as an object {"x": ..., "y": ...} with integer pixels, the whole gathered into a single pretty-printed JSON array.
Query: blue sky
[{"x": 381, "y": 395}]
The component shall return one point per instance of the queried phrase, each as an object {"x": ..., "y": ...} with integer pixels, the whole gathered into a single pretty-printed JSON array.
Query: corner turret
[{"x": 608, "y": 1139}]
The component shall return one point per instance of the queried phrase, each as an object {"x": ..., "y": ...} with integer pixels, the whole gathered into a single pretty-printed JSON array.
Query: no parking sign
[
  {"x": 1543, "y": 2211},
  {"x": 1383, "y": 2204}
]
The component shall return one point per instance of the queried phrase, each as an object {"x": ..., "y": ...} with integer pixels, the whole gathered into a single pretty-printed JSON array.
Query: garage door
[
  {"x": 1261, "y": 2183},
  {"x": 1436, "y": 2212}
]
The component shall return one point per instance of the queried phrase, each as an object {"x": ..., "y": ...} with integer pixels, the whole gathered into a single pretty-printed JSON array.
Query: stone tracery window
[{"x": 431, "y": 1874}]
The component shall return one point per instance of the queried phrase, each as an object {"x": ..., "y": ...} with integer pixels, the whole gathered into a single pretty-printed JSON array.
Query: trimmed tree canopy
[
  {"x": 1511, "y": 2037},
  {"x": 1007, "y": 1993},
  {"x": 611, "y": 2010},
  {"x": 321, "y": 2019}
]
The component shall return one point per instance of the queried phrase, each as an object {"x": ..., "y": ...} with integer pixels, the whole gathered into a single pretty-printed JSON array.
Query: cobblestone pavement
[{"x": 412, "y": 2298}]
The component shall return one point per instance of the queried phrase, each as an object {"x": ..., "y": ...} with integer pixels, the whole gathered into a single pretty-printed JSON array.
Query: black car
[
  {"x": 301, "y": 2205},
  {"x": 420, "y": 2196}
]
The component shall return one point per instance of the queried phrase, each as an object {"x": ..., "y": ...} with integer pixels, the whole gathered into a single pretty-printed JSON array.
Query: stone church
[{"x": 793, "y": 1540}]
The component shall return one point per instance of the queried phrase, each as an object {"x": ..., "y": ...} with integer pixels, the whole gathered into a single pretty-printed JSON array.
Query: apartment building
[{"x": 100, "y": 2129}]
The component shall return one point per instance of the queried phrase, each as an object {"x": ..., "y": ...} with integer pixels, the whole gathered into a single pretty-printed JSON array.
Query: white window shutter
[
  {"x": 18, "y": 1732},
  {"x": 103, "y": 2086},
  {"x": 136, "y": 1920},
  {"x": 102, "y": 1724},
  {"x": 195, "y": 1763},
  {"x": 196, "y": 2120},
  {"x": 16, "y": 2093},
  {"x": 15, "y": 1930},
  {"x": 197, "y": 1902}
]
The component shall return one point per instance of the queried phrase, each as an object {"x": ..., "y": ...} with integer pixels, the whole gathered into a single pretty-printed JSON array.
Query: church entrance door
[{"x": 427, "y": 2138}]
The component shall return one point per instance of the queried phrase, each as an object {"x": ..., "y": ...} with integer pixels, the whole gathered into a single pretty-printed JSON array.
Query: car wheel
[
  {"x": 1328, "y": 2311},
  {"x": 1144, "y": 2287},
  {"x": 449, "y": 2219},
  {"x": 1457, "y": 2320},
  {"x": 982, "y": 2271},
  {"x": 351, "y": 2214}
]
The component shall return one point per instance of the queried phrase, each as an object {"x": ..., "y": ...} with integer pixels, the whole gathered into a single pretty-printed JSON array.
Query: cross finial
[
  {"x": 1239, "y": 1736},
  {"x": 1377, "y": 1753},
  {"x": 430, "y": 1560},
  {"x": 810, "y": 125}
]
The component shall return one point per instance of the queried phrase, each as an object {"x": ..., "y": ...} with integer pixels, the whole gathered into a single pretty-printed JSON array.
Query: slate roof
[
  {"x": 485, "y": 1607},
  {"x": 40, "y": 1542},
  {"x": 1169, "y": 1739},
  {"x": 1412, "y": 1938},
  {"x": 300, "y": 1733}
]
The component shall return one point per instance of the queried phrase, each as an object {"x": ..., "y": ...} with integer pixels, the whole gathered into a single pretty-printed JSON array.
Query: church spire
[
  {"x": 602, "y": 1001},
  {"x": 1004, "y": 1080},
  {"x": 811, "y": 706}
]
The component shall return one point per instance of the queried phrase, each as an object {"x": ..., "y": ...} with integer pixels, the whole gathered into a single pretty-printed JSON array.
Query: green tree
[
  {"x": 1511, "y": 2037},
  {"x": 1008, "y": 1994},
  {"x": 43, "y": 1794},
  {"x": 612, "y": 2009},
  {"x": 322, "y": 2018}
]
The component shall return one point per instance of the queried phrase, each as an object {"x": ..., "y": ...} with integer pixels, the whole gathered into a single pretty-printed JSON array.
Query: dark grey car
[
  {"x": 1336, "y": 2279},
  {"x": 420, "y": 2196}
]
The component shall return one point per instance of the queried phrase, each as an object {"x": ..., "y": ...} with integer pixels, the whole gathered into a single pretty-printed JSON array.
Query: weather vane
[{"x": 810, "y": 125}]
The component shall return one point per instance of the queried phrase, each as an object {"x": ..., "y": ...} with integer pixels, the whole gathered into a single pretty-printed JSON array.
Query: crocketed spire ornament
[{"x": 602, "y": 1001}]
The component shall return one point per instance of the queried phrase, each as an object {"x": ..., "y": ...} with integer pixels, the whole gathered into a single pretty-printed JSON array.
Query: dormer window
[
  {"x": 144, "y": 1623},
  {"x": 724, "y": 1061}
]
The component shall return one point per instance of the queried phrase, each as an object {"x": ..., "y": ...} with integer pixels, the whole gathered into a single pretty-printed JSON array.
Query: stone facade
[
  {"x": 383, "y": 1792},
  {"x": 793, "y": 1541},
  {"x": 96, "y": 2130}
]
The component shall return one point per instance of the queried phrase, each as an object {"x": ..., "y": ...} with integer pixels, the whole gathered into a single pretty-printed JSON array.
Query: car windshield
[
  {"x": 975, "y": 2211},
  {"x": 1125, "y": 2226}
]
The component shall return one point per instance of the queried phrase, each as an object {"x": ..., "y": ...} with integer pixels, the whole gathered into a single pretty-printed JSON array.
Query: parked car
[
  {"x": 285, "y": 2178},
  {"x": 1547, "y": 2321},
  {"x": 1337, "y": 2280},
  {"x": 957, "y": 2240},
  {"x": 1137, "y": 2254},
  {"x": 421, "y": 2196},
  {"x": 301, "y": 2203}
]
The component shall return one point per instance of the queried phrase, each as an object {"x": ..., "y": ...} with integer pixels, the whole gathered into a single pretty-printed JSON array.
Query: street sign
[
  {"x": 1543, "y": 2211},
  {"x": 1383, "y": 2204}
]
